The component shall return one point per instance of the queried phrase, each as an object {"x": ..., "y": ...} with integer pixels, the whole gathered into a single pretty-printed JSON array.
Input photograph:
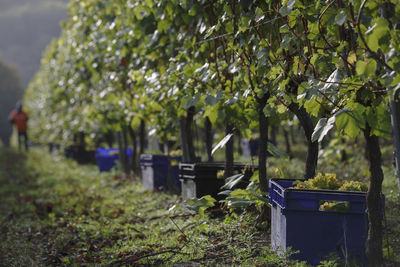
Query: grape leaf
[
  {"x": 232, "y": 181},
  {"x": 351, "y": 120},
  {"x": 341, "y": 18},
  {"x": 222, "y": 143},
  {"x": 322, "y": 128}
]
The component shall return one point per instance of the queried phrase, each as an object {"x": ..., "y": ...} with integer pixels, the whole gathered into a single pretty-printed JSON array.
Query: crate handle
[{"x": 334, "y": 206}]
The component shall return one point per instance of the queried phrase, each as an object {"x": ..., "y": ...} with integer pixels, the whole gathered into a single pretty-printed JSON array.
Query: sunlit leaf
[
  {"x": 221, "y": 143},
  {"x": 231, "y": 182},
  {"x": 322, "y": 128},
  {"x": 341, "y": 18}
]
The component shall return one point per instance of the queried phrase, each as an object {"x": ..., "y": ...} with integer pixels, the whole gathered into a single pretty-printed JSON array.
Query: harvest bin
[
  {"x": 160, "y": 172},
  {"x": 106, "y": 157},
  {"x": 298, "y": 222},
  {"x": 80, "y": 154},
  {"x": 200, "y": 179}
]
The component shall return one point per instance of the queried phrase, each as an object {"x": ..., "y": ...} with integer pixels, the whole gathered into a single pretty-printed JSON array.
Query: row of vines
[{"x": 236, "y": 65}]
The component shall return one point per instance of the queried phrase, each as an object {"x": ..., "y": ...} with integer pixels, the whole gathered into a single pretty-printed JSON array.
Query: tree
[{"x": 356, "y": 38}]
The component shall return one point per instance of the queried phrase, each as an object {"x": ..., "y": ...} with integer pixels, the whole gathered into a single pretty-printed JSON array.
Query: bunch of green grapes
[
  {"x": 338, "y": 206},
  {"x": 321, "y": 181},
  {"x": 354, "y": 186},
  {"x": 220, "y": 174},
  {"x": 330, "y": 182},
  {"x": 174, "y": 162},
  {"x": 175, "y": 153}
]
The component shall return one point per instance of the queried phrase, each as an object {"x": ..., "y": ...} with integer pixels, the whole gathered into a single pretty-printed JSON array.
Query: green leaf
[
  {"x": 286, "y": 41},
  {"x": 275, "y": 151},
  {"x": 200, "y": 204},
  {"x": 295, "y": 65},
  {"x": 322, "y": 128},
  {"x": 341, "y": 18},
  {"x": 210, "y": 31},
  {"x": 232, "y": 181},
  {"x": 246, "y": 21},
  {"x": 312, "y": 106},
  {"x": 293, "y": 18},
  {"x": 229, "y": 27},
  {"x": 371, "y": 28},
  {"x": 210, "y": 100},
  {"x": 361, "y": 66},
  {"x": 351, "y": 120},
  {"x": 332, "y": 80},
  {"x": 204, "y": 226},
  {"x": 379, "y": 120},
  {"x": 163, "y": 25},
  {"x": 284, "y": 11},
  {"x": 374, "y": 34},
  {"x": 284, "y": 29},
  {"x": 222, "y": 143},
  {"x": 232, "y": 100},
  {"x": 192, "y": 102},
  {"x": 212, "y": 112},
  {"x": 192, "y": 11},
  {"x": 366, "y": 68},
  {"x": 225, "y": 193},
  {"x": 255, "y": 176},
  {"x": 238, "y": 202},
  {"x": 202, "y": 68},
  {"x": 263, "y": 53},
  {"x": 307, "y": 91},
  {"x": 281, "y": 109}
]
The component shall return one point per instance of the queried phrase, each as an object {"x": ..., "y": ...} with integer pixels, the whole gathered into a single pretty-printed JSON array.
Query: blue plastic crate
[
  {"x": 174, "y": 182},
  {"x": 298, "y": 222},
  {"x": 158, "y": 174},
  {"x": 107, "y": 157}
]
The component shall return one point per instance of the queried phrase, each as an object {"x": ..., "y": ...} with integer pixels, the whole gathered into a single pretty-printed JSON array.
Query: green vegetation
[{"x": 330, "y": 182}]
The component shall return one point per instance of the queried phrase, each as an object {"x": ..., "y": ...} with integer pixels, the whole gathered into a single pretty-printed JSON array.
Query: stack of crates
[{"x": 158, "y": 173}]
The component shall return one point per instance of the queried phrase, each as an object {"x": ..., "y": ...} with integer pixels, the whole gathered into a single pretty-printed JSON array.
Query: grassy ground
[{"x": 54, "y": 212}]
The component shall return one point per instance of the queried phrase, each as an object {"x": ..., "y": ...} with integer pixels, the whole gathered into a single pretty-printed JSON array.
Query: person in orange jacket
[{"x": 20, "y": 119}]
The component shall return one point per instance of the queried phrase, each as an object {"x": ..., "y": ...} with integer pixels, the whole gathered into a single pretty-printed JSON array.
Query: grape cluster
[
  {"x": 326, "y": 181},
  {"x": 174, "y": 162},
  {"x": 354, "y": 186},
  {"x": 338, "y": 206},
  {"x": 220, "y": 174},
  {"x": 329, "y": 181},
  {"x": 175, "y": 153}
]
